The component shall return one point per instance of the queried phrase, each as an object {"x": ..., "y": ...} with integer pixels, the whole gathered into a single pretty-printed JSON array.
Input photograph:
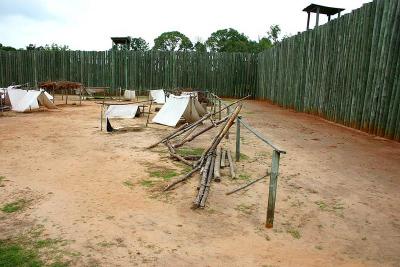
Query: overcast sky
[{"x": 89, "y": 24}]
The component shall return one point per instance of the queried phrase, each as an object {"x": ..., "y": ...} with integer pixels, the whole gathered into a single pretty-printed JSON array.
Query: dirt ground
[{"x": 338, "y": 201}]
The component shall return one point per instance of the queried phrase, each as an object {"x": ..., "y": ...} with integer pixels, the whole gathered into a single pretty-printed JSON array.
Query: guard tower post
[
  {"x": 318, "y": 9},
  {"x": 124, "y": 42}
]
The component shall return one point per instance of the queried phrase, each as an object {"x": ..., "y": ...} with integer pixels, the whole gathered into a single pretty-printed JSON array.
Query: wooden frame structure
[
  {"x": 273, "y": 182},
  {"x": 319, "y": 9}
]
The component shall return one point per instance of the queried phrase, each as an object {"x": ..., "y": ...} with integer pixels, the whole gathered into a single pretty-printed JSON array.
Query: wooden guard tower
[
  {"x": 318, "y": 9},
  {"x": 125, "y": 42}
]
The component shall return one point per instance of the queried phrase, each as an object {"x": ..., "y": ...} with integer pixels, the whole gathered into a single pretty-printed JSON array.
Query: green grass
[
  {"x": 48, "y": 242},
  {"x": 244, "y": 156},
  {"x": 128, "y": 183},
  {"x": 14, "y": 206},
  {"x": 322, "y": 205},
  {"x": 166, "y": 174},
  {"x": 295, "y": 233},
  {"x": 244, "y": 176},
  {"x": 190, "y": 151},
  {"x": 147, "y": 183},
  {"x": 12, "y": 255},
  {"x": 106, "y": 244}
]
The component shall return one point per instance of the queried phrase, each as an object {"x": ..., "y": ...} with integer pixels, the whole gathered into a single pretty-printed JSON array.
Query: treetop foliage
[{"x": 223, "y": 40}]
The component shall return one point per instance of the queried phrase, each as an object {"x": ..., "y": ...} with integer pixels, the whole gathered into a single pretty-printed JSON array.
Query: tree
[
  {"x": 200, "y": 47},
  {"x": 263, "y": 44},
  {"x": 139, "y": 44},
  {"x": 228, "y": 40},
  {"x": 273, "y": 33},
  {"x": 7, "y": 48},
  {"x": 47, "y": 47},
  {"x": 172, "y": 41}
]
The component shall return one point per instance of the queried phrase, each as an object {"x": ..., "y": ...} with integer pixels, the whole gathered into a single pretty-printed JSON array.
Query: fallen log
[
  {"x": 200, "y": 132},
  {"x": 168, "y": 136},
  {"x": 208, "y": 184},
  {"x": 203, "y": 182},
  {"x": 183, "y": 178},
  {"x": 173, "y": 153}
]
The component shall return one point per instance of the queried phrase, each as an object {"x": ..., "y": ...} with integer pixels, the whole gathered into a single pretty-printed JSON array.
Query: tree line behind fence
[{"x": 347, "y": 70}]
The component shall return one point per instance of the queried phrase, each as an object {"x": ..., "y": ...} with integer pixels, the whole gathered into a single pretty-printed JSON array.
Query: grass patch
[
  {"x": 14, "y": 206},
  {"x": 106, "y": 244},
  {"x": 244, "y": 156},
  {"x": 147, "y": 183},
  {"x": 244, "y": 176},
  {"x": 48, "y": 242},
  {"x": 295, "y": 233},
  {"x": 190, "y": 151},
  {"x": 2, "y": 178},
  {"x": 128, "y": 183},
  {"x": 12, "y": 254},
  {"x": 322, "y": 205},
  {"x": 166, "y": 174}
]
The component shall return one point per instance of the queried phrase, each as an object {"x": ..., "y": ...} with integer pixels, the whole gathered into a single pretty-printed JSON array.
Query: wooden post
[
  {"x": 219, "y": 104},
  {"x": 238, "y": 138},
  {"x": 317, "y": 18},
  {"x": 80, "y": 96},
  {"x": 272, "y": 189},
  {"x": 308, "y": 21},
  {"x": 148, "y": 115},
  {"x": 227, "y": 114},
  {"x": 101, "y": 117}
]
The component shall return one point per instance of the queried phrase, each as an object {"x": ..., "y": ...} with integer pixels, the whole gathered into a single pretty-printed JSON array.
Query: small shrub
[
  {"x": 14, "y": 206},
  {"x": 295, "y": 233},
  {"x": 15, "y": 255}
]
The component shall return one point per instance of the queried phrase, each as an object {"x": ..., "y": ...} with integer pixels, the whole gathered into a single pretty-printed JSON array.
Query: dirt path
[{"x": 338, "y": 201}]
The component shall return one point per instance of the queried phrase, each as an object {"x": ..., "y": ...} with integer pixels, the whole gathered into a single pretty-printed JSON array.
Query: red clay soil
[{"x": 338, "y": 201}]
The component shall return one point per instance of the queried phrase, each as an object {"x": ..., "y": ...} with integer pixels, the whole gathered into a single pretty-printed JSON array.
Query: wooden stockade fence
[
  {"x": 226, "y": 74},
  {"x": 347, "y": 71}
]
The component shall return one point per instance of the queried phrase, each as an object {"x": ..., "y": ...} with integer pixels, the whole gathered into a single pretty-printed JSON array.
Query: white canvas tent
[
  {"x": 179, "y": 106},
  {"x": 122, "y": 111},
  {"x": 158, "y": 96},
  {"x": 26, "y": 100},
  {"x": 129, "y": 95}
]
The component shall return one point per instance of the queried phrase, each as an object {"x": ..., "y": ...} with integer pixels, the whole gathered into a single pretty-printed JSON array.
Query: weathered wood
[
  {"x": 182, "y": 179},
  {"x": 237, "y": 151},
  {"x": 223, "y": 158},
  {"x": 203, "y": 181},
  {"x": 173, "y": 154},
  {"x": 169, "y": 135},
  {"x": 273, "y": 183},
  {"x": 184, "y": 141},
  {"x": 148, "y": 115},
  {"x": 217, "y": 165},
  {"x": 208, "y": 184},
  {"x": 246, "y": 185},
  {"x": 231, "y": 164}
]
